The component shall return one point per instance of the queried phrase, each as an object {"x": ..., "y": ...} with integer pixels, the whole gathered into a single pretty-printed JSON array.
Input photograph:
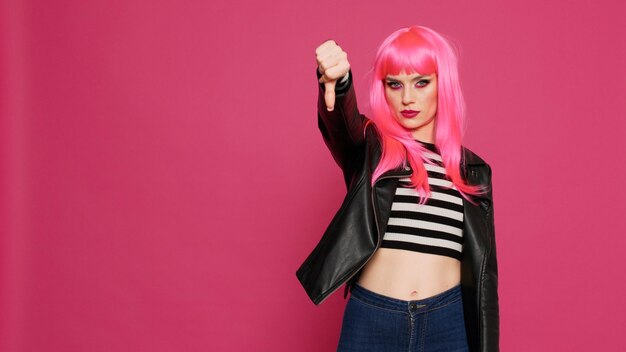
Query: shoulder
[
  {"x": 472, "y": 158},
  {"x": 477, "y": 166}
]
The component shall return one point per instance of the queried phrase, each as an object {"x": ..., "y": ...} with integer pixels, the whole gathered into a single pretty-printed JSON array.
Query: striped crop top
[{"x": 437, "y": 226}]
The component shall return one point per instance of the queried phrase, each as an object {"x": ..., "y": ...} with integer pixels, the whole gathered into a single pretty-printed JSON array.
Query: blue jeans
[{"x": 373, "y": 322}]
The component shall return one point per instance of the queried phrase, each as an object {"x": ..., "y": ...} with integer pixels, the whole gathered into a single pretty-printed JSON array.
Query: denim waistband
[{"x": 416, "y": 306}]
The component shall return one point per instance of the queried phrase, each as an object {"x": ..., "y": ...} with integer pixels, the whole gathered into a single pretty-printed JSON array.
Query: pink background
[{"x": 163, "y": 177}]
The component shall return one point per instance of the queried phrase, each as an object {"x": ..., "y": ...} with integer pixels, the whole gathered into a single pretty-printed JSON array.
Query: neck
[{"x": 425, "y": 134}]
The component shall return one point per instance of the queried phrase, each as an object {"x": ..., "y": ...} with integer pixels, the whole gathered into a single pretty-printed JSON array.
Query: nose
[{"x": 407, "y": 96}]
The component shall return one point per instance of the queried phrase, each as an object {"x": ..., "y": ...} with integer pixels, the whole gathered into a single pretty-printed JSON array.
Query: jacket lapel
[
  {"x": 384, "y": 191},
  {"x": 385, "y": 187}
]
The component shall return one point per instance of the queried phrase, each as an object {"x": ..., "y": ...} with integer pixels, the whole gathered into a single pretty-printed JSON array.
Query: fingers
[
  {"x": 329, "y": 94},
  {"x": 328, "y": 55},
  {"x": 332, "y": 65},
  {"x": 335, "y": 65},
  {"x": 334, "y": 73},
  {"x": 325, "y": 48}
]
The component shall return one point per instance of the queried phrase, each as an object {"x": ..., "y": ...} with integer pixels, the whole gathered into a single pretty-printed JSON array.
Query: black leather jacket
[{"x": 356, "y": 230}]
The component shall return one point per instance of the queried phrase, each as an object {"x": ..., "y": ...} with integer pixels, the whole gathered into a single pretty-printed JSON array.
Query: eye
[
  {"x": 424, "y": 81},
  {"x": 393, "y": 85}
]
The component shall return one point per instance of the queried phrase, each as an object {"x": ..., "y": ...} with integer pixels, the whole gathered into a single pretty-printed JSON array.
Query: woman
[{"x": 414, "y": 239}]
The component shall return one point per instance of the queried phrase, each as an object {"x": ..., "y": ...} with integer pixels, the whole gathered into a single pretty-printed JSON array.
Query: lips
[{"x": 409, "y": 113}]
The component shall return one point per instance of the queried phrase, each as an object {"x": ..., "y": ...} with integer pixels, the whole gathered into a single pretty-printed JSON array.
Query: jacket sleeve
[
  {"x": 490, "y": 303},
  {"x": 342, "y": 128}
]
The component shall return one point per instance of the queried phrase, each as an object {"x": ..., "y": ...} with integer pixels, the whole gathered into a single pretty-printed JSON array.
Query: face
[{"x": 417, "y": 93}]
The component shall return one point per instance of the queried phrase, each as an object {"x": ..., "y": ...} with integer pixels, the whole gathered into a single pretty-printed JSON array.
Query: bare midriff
[{"x": 409, "y": 275}]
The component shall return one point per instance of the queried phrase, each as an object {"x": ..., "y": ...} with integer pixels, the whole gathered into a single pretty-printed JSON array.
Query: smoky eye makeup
[
  {"x": 391, "y": 84},
  {"x": 395, "y": 84}
]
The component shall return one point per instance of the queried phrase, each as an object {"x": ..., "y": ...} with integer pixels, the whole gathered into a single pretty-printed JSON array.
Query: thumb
[{"x": 329, "y": 95}]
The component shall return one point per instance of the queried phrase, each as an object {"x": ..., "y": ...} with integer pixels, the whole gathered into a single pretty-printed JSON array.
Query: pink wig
[{"x": 418, "y": 49}]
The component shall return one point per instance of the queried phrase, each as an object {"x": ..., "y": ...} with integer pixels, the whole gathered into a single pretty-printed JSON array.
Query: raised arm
[{"x": 342, "y": 127}]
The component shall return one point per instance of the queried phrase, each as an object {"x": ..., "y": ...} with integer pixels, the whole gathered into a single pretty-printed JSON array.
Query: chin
[{"x": 412, "y": 126}]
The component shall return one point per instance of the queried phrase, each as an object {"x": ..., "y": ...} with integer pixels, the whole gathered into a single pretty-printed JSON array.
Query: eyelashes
[{"x": 395, "y": 85}]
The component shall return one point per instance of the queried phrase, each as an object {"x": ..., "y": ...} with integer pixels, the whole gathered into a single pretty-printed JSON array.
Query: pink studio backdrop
[{"x": 162, "y": 174}]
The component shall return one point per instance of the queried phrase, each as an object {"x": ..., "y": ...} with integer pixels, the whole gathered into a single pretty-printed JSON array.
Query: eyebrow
[{"x": 414, "y": 78}]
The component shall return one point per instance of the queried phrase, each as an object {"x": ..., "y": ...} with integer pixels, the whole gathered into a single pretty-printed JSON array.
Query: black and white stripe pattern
[{"x": 437, "y": 226}]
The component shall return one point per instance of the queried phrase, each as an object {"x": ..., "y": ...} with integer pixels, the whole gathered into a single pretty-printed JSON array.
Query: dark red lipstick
[{"x": 409, "y": 113}]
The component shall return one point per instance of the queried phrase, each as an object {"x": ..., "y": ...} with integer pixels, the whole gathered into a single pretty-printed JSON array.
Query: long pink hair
[{"x": 422, "y": 50}]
